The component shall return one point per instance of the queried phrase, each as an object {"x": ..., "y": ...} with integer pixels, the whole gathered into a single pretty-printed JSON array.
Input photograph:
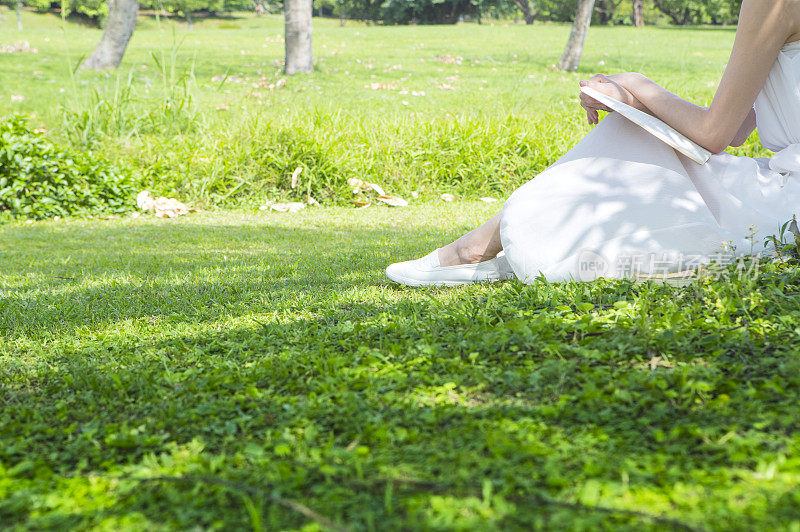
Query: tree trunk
[
  {"x": 189, "y": 21},
  {"x": 674, "y": 15},
  {"x": 604, "y": 11},
  {"x": 19, "y": 15},
  {"x": 638, "y": 13},
  {"x": 571, "y": 57},
  {"x": 299, "y": 57},
  {"x": 525, "y": 7},
  {"x": 119, "y": 28}
]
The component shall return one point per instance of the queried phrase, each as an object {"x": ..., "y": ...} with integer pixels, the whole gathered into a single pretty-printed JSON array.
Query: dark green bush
[{"x": 40, "y": 179}]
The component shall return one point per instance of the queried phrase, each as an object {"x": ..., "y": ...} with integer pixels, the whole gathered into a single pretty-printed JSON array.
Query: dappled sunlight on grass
[{"x": 238, "y": 355}]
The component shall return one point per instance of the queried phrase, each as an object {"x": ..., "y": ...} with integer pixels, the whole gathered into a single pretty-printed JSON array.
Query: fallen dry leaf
[
  {"x": 170, "y": 207},
  {"x": 488, "y": 199},
  {"x": 18, "y": 47},
  {"x": 296, "y": 176},
  {"x": 145, "y": 200},
  {"x": 449, "y": 59},
  {"x": 355, "y": 184},
  {"x": 17, "y": 98},
  {"x": 380, "y": 86},
  {"x": 657, "y": 361},
  {"x": 223, "y": 107},
  {"x": 447, "y": 197},
  {"x": 377, "y": 188},
  {"x": 392, "y": 201},
  {"x": 163, "y": 207},
  {"x": 287, "y": 207},
  {"x": 359, "y": 185}
]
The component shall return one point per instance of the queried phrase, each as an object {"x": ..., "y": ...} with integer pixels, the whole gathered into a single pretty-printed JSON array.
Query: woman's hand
[{"x": 611, "y": 86}]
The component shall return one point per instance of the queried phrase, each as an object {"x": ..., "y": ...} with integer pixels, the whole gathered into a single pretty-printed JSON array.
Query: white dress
[{"x": 622, "y": 203}]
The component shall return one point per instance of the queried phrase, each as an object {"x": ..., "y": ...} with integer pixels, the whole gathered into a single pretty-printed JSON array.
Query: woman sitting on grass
[{"x": 622, "y": 202}]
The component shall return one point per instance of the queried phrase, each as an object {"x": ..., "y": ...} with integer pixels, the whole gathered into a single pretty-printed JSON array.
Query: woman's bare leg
[{"x": 478, "y": 245}]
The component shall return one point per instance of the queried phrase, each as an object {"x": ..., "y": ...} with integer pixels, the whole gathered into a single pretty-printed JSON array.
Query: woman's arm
[
  {"x": 747, "y": 128},
  {"x": 764, "y": 26}
]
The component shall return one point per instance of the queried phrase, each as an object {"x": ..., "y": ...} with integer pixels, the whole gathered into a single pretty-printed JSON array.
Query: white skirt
[{"x": 623, "y": 203}]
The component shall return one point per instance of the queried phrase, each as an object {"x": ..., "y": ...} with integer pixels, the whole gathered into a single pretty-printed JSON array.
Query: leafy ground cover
[
  {"x": 237, "y": 371},
  {"x": 39, "y": 179}
]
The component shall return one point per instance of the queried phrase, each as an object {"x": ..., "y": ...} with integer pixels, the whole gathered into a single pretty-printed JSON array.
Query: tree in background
[
  {"x": 571, "y": 57},
  {"x": 528, "y": 11},
  {"x": 638, "y": 13},
  {"x": 683, "y": 12},
  {"x": 16, "y": 5},
  {"x": 188, "y": 8},
  {"x": 635, "y": 12},
  {"x": 119, "y": 28},
  {"x": 436, "y": 11},
  {"x": 297, "y": 24},
  {"x": 680, "y": 11},
  {"x": 606, "y": 9}
]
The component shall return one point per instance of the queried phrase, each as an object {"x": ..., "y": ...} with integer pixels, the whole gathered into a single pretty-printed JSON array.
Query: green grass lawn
[
  {"x": 238, "y": 370},
  {"x": 207, "y": 371}
]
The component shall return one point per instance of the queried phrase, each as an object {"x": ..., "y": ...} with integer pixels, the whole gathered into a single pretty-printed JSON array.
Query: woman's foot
[
  {"x": 427, "y": 271},
  {"x": 459, "y": 253},
  {"x": 479, "y": 245}
]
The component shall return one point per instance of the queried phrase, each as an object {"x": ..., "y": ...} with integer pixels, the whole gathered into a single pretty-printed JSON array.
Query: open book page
[{"x": 654, "y": 126}]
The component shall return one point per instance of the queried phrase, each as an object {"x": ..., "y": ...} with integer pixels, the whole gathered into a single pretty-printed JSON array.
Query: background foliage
[
  {"x": 680, "y": 12},
  {"x": 40, "y": 179}
]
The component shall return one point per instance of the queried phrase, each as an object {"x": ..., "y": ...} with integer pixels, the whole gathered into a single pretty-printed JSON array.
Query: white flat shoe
[{"x": 427, "y": 272}]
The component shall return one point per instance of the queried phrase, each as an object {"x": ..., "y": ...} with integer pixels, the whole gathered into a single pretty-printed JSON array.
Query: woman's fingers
[
  {"x": 587, "y": 102},
  {"x": 591, "y": 115},
  {"x": 591, "y": 105}
]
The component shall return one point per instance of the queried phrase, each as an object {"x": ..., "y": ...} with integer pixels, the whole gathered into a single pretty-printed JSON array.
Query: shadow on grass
[
  {"x": 391, "y": 414},
  {"x": 200, "y": 273},
  {"x": 280, "y": 361},
  {"x": 335, "y": 411}
]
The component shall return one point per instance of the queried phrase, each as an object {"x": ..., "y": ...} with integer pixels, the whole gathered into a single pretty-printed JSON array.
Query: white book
[{"x": 654, "y": 126}]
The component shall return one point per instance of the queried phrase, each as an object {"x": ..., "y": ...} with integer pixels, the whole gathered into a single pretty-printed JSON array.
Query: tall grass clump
[
  {"x": 249, "y": 158},
  {"x": 117, "y": 115}
]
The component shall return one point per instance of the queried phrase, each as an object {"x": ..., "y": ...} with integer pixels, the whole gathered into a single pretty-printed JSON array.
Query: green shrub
[{"x": 40, "y": 179}]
